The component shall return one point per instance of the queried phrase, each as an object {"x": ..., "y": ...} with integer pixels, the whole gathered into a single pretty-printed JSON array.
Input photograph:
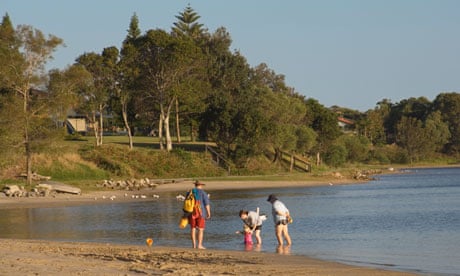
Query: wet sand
[{"x": 29, "y": 257}]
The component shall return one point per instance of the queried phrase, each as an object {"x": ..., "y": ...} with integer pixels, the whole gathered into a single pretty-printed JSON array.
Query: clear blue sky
[{"x": 351, "y": 53}]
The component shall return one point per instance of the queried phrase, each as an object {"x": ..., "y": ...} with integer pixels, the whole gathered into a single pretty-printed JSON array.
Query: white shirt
[{"x": 279, "y": 207}]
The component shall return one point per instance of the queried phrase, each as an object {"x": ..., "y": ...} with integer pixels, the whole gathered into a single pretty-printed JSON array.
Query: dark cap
[
  {"x": 198, "y": 182},
  {"x": 272, "y": 198}
]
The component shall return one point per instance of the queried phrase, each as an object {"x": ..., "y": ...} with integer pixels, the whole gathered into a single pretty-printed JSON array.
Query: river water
[{"x": 406, "y": 222}]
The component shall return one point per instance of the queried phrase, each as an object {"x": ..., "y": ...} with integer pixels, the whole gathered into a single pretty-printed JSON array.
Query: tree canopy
[{"x": 191, "y": 74}]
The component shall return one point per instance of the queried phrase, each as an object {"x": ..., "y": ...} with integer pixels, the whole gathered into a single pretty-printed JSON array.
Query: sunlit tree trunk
[
  {"x": 101, "y": 123},
  {"x": 124, "y": 114},
  {"x": 160, "y": 129},
  {"x": 177, "y": 122}
]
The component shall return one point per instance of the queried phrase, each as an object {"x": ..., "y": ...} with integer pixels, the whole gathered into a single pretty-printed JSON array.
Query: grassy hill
[{"x": 79, "y": 163}]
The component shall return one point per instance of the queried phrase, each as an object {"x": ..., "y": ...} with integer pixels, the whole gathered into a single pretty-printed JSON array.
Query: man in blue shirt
[{"x": 201, "y": 212}]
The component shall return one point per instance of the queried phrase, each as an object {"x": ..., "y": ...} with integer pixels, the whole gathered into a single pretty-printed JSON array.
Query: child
[{"x": 247, "y": 234}]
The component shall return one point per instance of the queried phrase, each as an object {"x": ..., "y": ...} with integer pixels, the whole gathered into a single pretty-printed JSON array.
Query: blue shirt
[{"x": 202, "y": 196}]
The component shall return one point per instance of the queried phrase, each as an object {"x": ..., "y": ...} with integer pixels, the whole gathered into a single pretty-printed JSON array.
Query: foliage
[
  {"x": 357, "y": 147},
  {"x": 336, "y": 155},
  {"x": 192, "y": 74}
]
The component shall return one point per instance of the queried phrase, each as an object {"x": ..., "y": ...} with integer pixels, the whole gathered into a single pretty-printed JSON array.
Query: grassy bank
[{"x": 79, "y": 163}]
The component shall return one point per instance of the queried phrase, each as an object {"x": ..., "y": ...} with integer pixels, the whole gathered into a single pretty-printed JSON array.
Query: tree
[
  {"x": 372, "y": 124},
  {"x": 95, "y": 98},
  {"x": 412, "y": 137},
  {"x": 187, "y": 24},
  {"x": 234, "y": 118},
  {"x": 64, "y": 88},
  {"x": 324, "y": 123},
  {"x": 437, "y": 131},
  {"x": 413, "y": 107},
  {"x": 188, "y": 28},
  {"x": 127, "y": 73},
  {"x": 26, "y": 58},
  {"x": 449, "y": 106},
  {"x": 336, "y": 155},
  {"x": 357, "y": 147},
  {"x": 165, "y": 64}
]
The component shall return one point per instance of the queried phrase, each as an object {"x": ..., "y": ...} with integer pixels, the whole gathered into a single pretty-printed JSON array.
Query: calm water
[{"x": 408, "y": 222}]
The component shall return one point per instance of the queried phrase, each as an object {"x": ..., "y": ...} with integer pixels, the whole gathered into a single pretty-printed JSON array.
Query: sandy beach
[{"x": 30, "y": 257}]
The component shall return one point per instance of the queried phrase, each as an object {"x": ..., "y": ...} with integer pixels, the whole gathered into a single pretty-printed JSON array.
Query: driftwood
[
  {"x": 36, "y": 176},
  {"x": 58, "y": 187}
]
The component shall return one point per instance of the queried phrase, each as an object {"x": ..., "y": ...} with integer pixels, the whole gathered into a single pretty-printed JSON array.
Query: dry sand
[{"x": 29, "y": 257}]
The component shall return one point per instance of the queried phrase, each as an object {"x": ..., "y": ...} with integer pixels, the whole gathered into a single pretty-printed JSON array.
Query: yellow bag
[
  {"x": 189, "y": 203},
  {"x": 183, "y": 222}
]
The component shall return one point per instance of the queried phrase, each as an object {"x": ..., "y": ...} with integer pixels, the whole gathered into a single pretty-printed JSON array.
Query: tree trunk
[
  {"x": 27, "y": 139},
  {"x": 95, "y": 127},
  {"x": 177, "y": 122},
  {"x": 101, "y": 124},
  {"x": 160, "y": 129},
  {"x": 124, "y": 113},
  {"x": 166, "y": 125},
  {"x": 167, "y": 133},
  {"x": 318, "y": 159}
]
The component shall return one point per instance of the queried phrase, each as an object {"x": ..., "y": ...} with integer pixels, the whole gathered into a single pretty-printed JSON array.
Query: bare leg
[
  {"x": 193, "y": 237},
  {"x": 200, "y": 238},
  {"x": 286, "y": 234},
  {"x": 258, "y": 238},
  {"x": 278, "y": 233}
]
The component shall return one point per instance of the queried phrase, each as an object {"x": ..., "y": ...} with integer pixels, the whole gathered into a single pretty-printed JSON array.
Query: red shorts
[{"x": 198, "y": 222}]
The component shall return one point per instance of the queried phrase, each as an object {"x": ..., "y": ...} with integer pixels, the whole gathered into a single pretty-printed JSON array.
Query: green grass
[{"x": 80, "y": 163}]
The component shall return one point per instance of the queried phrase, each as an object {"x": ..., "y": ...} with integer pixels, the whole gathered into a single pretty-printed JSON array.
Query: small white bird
[
  {"x": 143, "y": 196},
  {"x": 180, "y": 197},
  {"x": 156, "y": 196}
]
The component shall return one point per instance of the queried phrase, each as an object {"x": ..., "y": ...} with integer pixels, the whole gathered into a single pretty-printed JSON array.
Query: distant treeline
[{"x": 186, "y": 81}]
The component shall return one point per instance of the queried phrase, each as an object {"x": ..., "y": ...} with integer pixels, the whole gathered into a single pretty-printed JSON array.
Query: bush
[{"x": 336, "y": 155}]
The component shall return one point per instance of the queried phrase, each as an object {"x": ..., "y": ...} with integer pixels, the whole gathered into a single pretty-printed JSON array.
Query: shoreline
[
  {"x": 37, "y": 257},
  {"x": 120, "y": 196}
]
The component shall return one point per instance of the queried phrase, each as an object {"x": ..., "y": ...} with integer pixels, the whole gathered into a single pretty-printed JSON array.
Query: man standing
[
  {"x": 254, "y": 221},
  {"x": 281, "y": 219},
  {"x": 201, "y": 212}
]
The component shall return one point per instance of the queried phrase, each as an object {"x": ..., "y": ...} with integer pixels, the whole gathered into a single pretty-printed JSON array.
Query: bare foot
[{"x": 201, "y": 247}]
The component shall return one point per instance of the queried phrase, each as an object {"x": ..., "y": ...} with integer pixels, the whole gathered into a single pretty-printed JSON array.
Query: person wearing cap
[
  {"x": 197, "y": 219},
  {"x": 281, "y": 218}
]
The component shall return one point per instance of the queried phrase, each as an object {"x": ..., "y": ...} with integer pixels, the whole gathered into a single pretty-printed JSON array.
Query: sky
[{"x": 349, "y": 53}]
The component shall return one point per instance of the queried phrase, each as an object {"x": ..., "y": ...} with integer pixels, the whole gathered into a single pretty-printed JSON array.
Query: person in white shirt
[
  {"x": 254, "y": 221},
  {"x": 281, "y": 219}
]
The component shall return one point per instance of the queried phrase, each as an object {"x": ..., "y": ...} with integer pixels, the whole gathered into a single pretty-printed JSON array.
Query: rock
[{"x": 12, "y": 191}]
